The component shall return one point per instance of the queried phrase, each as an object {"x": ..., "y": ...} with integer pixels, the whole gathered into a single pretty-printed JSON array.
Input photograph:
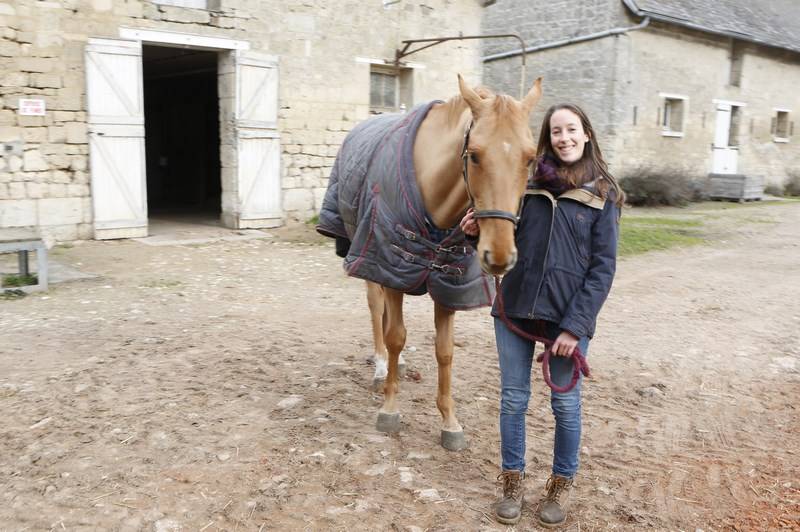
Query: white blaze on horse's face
[{"x": 501, "y": 150}]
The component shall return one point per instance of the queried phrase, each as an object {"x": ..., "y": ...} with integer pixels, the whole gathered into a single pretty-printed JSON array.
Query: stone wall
[
  {"x": 657, "y": 62},
  {"x": 324, "y": 86},
  {"x": 617, "y": 77}
]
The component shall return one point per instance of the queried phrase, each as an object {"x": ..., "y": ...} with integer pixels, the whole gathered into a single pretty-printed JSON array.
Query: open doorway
[{"x": 182, "y": 136}]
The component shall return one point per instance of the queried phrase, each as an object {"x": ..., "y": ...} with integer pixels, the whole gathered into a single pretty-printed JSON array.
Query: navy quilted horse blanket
[{"x": 373, "y": 202}]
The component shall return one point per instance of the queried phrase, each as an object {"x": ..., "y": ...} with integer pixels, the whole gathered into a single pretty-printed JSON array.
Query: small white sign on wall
[{"x": 30, "y": 107}]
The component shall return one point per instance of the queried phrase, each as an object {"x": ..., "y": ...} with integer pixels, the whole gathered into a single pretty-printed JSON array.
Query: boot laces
[
  {"x": 555, "y": 487},
  {"x": 512, "y": 483}
]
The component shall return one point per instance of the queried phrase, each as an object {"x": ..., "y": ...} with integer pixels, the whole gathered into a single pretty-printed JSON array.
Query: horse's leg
[
  {"x": 452, "y": 433},
  {"x": 376, "y": 310},
  {"x": 394, "y": 335}
]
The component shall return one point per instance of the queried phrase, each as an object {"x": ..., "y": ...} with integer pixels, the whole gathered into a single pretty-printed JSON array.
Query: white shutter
[
  {"x": 116, "y": 137},
  {"x": 257, "y": 140}
]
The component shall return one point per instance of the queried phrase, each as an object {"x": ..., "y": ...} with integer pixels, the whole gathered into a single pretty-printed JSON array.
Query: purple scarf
[{"x": 546, "y": 176}]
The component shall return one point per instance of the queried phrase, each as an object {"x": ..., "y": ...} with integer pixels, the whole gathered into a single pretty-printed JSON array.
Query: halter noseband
[{"x": 486, "y": 213}]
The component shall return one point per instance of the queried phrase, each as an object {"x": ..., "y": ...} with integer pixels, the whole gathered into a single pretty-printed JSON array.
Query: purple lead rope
[{"x": 579, "y": 364}]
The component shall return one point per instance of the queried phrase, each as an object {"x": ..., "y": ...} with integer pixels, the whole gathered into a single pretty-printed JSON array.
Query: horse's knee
[{"x": 395, "y": 338}]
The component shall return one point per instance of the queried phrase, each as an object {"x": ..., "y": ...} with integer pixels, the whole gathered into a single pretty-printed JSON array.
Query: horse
[{"x": 399, "y": 187}]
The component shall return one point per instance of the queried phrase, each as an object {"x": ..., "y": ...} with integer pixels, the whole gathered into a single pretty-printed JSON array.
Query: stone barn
[
  {"x": 113, "y": 112},
  {"x": 695, "y": 86}
]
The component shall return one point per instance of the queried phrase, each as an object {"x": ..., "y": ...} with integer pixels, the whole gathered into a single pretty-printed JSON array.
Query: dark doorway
[{"x": 182, "y": 133}]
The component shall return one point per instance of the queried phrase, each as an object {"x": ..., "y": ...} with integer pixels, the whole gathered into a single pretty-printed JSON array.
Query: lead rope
[{"x": 579, "y": 363}]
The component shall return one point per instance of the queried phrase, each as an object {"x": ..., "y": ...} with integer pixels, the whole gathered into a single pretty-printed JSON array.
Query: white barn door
[
  {"x": 725, "y": 157},
  {"x": 116, "y": 137},
  {"x": 258, "y": 174}
]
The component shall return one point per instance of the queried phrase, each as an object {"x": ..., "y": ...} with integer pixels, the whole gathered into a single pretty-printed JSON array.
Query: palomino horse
[{"x": 474, "y": 149}]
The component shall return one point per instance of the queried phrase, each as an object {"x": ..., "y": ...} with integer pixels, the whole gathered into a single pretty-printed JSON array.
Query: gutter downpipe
[{"x": 564, "y": 42}]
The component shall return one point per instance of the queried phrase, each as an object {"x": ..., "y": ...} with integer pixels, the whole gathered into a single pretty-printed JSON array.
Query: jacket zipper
[{"x": 546, "y": 254}]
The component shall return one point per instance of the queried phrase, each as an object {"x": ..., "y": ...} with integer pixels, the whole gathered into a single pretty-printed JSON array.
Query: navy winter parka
[{"x": 567, "y": 255}]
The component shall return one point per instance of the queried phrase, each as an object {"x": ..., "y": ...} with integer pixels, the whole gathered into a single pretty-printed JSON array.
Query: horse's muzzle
[{"x": 490, "y": 266}]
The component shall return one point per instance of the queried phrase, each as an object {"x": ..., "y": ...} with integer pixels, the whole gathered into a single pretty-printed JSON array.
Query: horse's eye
[{"x": 473, "y": 157}]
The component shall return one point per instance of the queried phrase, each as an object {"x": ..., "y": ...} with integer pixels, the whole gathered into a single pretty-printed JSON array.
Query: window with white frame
[
  {"x": 389, "y": 89},
  {"x": 672, "y": 117},
  {"x": 734, "y": 129},
  {"x": 781, "y": 127}
]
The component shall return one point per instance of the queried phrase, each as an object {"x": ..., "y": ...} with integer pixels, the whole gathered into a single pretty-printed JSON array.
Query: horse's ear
[
  {"x": 472, "y": 98},
  {"x": 532, "y": 98}
]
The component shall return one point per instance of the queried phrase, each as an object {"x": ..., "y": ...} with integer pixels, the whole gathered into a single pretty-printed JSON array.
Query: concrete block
[
  {"x": 102, "y": 5},
  {"x": 60, "y": 211},
  {"x": 33, "y": 161},
  {"x": 57, "y": 134},
  {"x": 9, "y": 49},
  {"x": 16, "y": 190},
  {"x": 34, "y": 134},
  {"x": 59, "y": 233},
  {"x": 44, "y": 81},
  {"x": 10, "y": 134},
  {"x": 14, "y": 163},
  {"x": 17, "y": 213},
  {"x": 78, "y": 163},
  {"x": 36, "y": 64},
  {"x": 78, "y": 191},
  {"x": 56, "y": 190},
  {"x": 298, "y": 199},
  {"x": 32, "y": 121},
  {"x": 59, "y": 176},
  {"x": 186, "y": 16},
  {"x": 34, "y": 190},
  {"x": 64, "y": 116},
  {"x": 7, "y": 9},
  {"x": 14, "y": 79},
  {"x": 76, "y": 133},
  {"x": 4, "y": 192},
  {"x": 8, "y": 118}
]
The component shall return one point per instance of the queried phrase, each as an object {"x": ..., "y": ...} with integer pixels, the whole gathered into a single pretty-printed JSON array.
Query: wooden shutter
[{"x": 116, "y": 137}]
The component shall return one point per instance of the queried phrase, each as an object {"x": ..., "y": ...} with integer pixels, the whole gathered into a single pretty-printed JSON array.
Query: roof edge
[{"x": 631, "y": 5}]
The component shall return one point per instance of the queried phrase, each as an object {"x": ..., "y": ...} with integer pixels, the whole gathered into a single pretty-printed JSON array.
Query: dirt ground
[{"x": 223, "y": 386}]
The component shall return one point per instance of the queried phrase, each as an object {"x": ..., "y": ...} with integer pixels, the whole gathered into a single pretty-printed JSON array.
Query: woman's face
[{"x": 567, "y": 136}]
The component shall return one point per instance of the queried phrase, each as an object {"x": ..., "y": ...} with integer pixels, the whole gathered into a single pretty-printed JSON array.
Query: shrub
[
  {"x": 792, "y": 185},
  {"x": 773, "y": 190},
  {"x": 650, "y": 187}
]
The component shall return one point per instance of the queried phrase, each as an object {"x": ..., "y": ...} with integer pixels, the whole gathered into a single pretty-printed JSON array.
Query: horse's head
[{"x": 499, "y": 152}]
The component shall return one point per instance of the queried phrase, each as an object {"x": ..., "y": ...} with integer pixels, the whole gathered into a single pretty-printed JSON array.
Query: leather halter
[{"x": 486, "y": 213}]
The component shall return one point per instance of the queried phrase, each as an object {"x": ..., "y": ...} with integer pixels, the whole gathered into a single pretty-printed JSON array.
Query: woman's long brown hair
[{"x": 591, "y": 164}]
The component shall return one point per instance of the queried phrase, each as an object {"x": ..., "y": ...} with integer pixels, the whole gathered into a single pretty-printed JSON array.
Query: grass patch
[
  {"x": 314, "y": 220},
  {"x": 20, "y": 280},
  {"x": 640, "y": 235},
  {"x": 653, "y": 220}
]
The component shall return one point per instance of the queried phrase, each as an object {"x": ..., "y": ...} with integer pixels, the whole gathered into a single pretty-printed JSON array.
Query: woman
[{"x": 567, "y": 245}]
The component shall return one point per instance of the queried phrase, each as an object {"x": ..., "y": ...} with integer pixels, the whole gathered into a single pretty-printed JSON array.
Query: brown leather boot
[
  {"x": 553, "y": 508},
  {"x": 509, "y": 509}
]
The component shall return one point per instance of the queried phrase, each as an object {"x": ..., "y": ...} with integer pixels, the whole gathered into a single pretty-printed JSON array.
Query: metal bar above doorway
[{"x": 400, "y": 54}]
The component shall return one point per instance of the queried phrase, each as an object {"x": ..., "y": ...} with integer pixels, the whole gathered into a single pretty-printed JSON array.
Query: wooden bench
[{"x": 22, "y": 247}]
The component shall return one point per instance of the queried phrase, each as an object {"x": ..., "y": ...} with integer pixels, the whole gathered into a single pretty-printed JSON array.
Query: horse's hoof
[
  {"x": 388, "y": 422},
  {"x": 453, "y": 441},
  {"x": 377, "y": 385}
]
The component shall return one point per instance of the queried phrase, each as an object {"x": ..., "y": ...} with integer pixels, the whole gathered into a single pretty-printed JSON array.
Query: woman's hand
[
  {"x": 469, "y": 224},
  {"x": 565, "y": 344}
]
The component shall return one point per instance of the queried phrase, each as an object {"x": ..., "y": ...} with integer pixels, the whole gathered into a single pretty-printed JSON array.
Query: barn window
[
  {"x": 389, "y": 89},
  {"x": 781, "y": 126},
  {"x": 672, "y": 118},
  {"x": 734, "y": 130},
  {"x": 737, "y": 60}
]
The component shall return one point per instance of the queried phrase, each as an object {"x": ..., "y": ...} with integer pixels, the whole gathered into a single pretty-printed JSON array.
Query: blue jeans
[{"x": 516, "y": 359}]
